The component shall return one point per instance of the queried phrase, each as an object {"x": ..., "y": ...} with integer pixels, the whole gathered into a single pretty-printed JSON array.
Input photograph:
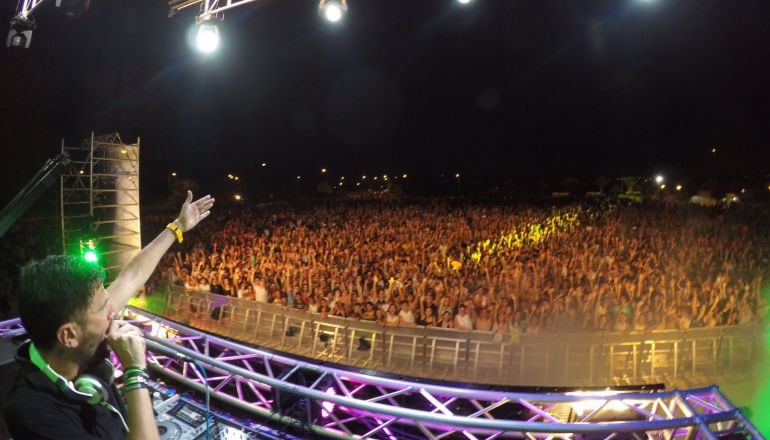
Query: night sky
[{"x": 497, "y": 88}]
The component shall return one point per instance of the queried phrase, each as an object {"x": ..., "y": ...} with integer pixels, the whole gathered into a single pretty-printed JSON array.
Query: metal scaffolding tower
[{"x": 99, "y": 199}]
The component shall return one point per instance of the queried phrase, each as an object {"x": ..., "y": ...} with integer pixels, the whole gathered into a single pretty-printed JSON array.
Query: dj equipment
[{"x": 180, "y": 417}]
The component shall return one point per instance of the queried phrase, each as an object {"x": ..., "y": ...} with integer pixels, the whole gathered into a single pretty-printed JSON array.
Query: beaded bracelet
[
  {"x": 127, "y": 376},
  {"x": 130, "y": 370},
  {"x": 128, "y": 389}
]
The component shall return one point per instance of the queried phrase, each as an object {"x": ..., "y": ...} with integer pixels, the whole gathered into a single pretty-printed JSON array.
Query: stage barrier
[{"x": 694, "y": 357}]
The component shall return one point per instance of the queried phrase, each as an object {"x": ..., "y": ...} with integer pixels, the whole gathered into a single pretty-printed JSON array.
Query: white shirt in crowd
[{"x": 260, "y": 293}]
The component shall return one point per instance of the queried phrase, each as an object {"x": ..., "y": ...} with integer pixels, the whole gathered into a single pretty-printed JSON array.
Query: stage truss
[{"x": 339, "y": 403}]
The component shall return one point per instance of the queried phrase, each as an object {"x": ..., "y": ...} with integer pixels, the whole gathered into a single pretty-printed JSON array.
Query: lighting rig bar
[
  {"x": 208, "y": 8},
  {"x": 341, "y": 403}
]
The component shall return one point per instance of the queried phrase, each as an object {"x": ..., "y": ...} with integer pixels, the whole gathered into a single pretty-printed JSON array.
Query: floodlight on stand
[
  {"x": 207, "y": 39},
  {"x": 20, "y": 34},
  {"x": 333, "y": 10}
]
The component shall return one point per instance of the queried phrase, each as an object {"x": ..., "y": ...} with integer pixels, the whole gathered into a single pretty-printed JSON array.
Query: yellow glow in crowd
[{"x": 529, "y": 234}]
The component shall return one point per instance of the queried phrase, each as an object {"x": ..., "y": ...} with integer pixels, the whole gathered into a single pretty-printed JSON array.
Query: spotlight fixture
[
  {"x": 207, "y": 39},
  {"x": 333, "y": 10},
  {"x": 88, "y": 250},
  {"x": 20, "y": 34},
  {"x": 464, "y": 2}
]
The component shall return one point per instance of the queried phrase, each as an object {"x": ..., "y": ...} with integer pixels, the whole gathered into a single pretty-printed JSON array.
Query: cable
[
  {"x": 208, "y": 397},
  {"x": 115, "y": 410}
]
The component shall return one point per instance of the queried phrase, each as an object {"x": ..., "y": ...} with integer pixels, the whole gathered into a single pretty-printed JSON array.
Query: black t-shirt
[{"x": 37, "y": 409}]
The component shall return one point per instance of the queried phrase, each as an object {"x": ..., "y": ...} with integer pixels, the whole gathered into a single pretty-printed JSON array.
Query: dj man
[{"x": 64, "y": 389}]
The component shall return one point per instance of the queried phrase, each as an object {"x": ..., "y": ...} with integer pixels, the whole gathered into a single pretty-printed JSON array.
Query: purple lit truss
[{"x": 358, "y": 404}]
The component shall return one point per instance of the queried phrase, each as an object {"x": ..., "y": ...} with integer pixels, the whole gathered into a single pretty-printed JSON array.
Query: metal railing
[
  {"x": 350, "y": 404},
  {"x": 675, "y": 358}
]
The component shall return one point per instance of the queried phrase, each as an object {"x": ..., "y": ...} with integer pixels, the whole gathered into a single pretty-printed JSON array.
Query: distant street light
[
  {"x": 679, "y": 187},
  {"x": 264, "y": 164},
  {"x": 658, "y": 179},
  {"x": 323, "y": 170}
]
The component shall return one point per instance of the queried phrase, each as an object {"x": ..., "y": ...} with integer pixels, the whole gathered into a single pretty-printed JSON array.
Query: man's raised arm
[{"x": 132, "y": 277}]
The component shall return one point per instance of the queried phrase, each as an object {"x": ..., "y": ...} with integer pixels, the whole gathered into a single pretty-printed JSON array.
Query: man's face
[{"x": 95, "y": 323}]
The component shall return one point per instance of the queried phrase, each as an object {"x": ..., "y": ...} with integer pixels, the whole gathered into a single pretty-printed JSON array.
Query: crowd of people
[{"x": 497, "y": 268}]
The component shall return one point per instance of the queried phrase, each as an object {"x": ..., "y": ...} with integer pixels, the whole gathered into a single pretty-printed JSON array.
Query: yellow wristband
[{"x": 176, "y": 230}]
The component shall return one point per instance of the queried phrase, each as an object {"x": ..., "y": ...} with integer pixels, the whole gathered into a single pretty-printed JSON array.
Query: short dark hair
[{"x": 54, "y": 291}]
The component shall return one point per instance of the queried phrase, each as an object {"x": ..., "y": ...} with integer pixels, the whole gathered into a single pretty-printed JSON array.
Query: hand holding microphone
[{"x": 128, "y": 343}]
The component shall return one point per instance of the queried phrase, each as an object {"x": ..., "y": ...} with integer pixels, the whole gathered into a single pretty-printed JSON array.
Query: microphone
[{"x": 159, "y": 348}]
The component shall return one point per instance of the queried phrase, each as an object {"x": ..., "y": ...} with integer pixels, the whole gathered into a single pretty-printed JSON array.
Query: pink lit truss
[{"x": 338, "y": 402}]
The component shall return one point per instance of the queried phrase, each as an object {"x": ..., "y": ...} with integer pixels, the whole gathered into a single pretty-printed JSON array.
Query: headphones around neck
[{"x": 86, "y": 388}]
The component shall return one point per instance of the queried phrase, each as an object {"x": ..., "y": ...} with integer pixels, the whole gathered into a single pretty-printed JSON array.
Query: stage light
[
  {"x": 333, "y": 10},
  {"x": 328, "y": 407},
  {"x": 20, "y": 34},
  {"x": 91, "y": 257},
  {"x": 88, "y": 251},
  {"x": 207, "y": 39}
]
